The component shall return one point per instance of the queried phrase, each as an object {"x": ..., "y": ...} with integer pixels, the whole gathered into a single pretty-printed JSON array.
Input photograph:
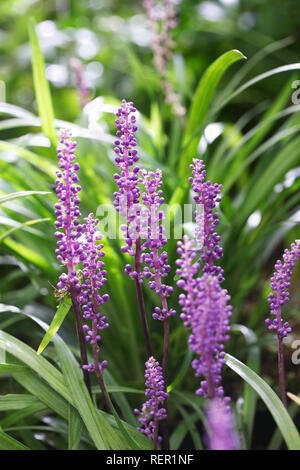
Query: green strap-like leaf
[
  {"x": 271, "y": 400},
  {"x": 37, "y": 387},
  {"x": 75, "y": 428},
  {"x": 10, "y": 368},
  {"x": 198, "y": 114},
  {"x": 15, "y": 417},
  {"x": 183, "y": 370},
  {"x": 101, "y": 432},
  {"x": 253, "y": 362},
  {"x": 41, "y": 86},
  {"x": 9, "y": 443},
  {"x": 19, "y": 227},
  {"x": 42, "y": 163},
  {"x": 201, "y": 103},
  {"x": 20, "y": 194},
  {"x": 59, "y": 317},
  {"x": 28, "y": 254},
  {"x": 104, "y": 435},
  {"x": 16, "y": 401},
  {"x": 258, "y": 78},
  {"x": 37, "y": 363}
]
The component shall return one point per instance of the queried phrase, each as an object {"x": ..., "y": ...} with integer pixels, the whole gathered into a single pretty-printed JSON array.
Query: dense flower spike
[
  {"x": 207, "y": 196},
  {"x": 69, "y": 250},
  {"x": 156, "y": 264},
  {"x": 187, "y": 271},
  {"x": 81, "y": 84},
  {"x": 210, "y": 330},
  {"x": 280, "y": 283},
  {"x": 127, "y": 202},
  {"x": 152, "y": 412},
  {"x": 69, "y": 231},
  {"x": 128, "y": 196},
  {"x": 162, "y": 18},
  {"x": 93, "y": 279},
  {"x": 204, "y": 304},
  {"x": 221, "y": 430}
]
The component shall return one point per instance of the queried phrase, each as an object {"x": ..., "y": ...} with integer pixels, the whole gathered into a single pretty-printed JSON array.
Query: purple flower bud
[
  {"x": 280, "y": 283},
  {"x": 151, "y": 411},
  {"x": 207, "y": 196},
  {"x": 67, "y": 211},
  {"x": 94, "y": 278}
]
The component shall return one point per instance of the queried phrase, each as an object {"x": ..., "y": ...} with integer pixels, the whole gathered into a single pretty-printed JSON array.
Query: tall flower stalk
[
  {"x": 156, "y": 263},
  {"x": 162, "y": 18},
  {"x": 156, "y": 260},
  {"x": 205, "y": 305},
  {"x": 206, "y": 310},
  {"x": 280, "y": 283},
  {"x": 144, "y": 232},
  {"x": 127, "y": 201},
  {"x": 83, "y": 90},
  {"x": 91, "y": 300},
  {"x": 207, "y": 197},
  {"x": 68, "y": 232},
  {"x": 152, "y": 410}
]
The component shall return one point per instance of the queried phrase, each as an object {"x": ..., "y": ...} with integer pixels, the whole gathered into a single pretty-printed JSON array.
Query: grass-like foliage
[{"x": 249, "y": 145}]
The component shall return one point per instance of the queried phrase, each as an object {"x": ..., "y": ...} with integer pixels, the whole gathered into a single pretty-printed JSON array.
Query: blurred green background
[{"x": 251, "y": 145}]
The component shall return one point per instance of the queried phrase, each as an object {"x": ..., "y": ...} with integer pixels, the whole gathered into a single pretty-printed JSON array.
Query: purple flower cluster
[
  {"x": 162, "y": 18},
  {"x": 128, "y": 196},
  {"x": 187, "y": 270},
  {"x": 144, "y": 218},
  {"x": 221, "y": 430},
  {"x": 152, "y": 412},
  {"x": 207, "y": 196},
  {"x": 93, "y": 280},
  {"x": 280, "y": 283},
  {"x": 156, "y": 264},
  {"x": 210, "y": 330},
  {"x": 77, "y": 246},
  {"x": 204, "y": 305},
  {"x": 82, "y": 86},
  {"x": 69, "y": 249}
]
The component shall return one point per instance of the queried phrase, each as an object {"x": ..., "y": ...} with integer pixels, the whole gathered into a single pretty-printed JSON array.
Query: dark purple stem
[
  {"x": 100, "y": 377},
  {"x": 73, "y": 293},
  {"x": 81, "y": 338},
  {"x": 140, "y": 298},
  {"x": 165, "y": 430},
  {"x": 95, "y": 348},
  {"x": 281, "y": 372}
]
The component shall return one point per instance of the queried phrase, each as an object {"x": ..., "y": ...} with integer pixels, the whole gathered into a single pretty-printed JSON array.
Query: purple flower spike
[
  {"x": 210, "y": 330},
  {"x": 207, "y": 197},
  {"x": 156, "y": 264},
  {"x": 162, "y": 18},
  {"x": 81, "y": 82},
  {"x": 68, "y": 227},
  {"x": 94, "y": 277},
  {"x": 152, "y": 412},
  {"x": 187, "y": 270},
  {"x": 221, "y": 430},
  {"x": 280, "y": 283},
  {"x": 128, "y": 196}
]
